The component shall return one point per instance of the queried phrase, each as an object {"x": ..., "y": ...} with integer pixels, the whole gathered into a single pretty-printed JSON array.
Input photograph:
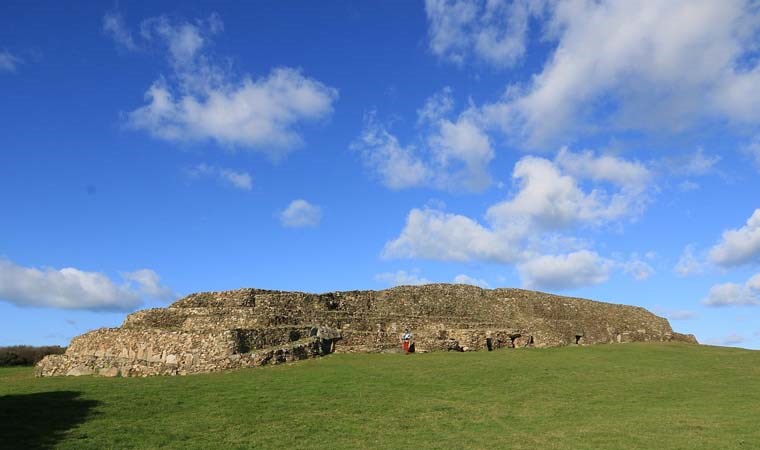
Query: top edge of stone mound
[{"x": 247, "y": 296}]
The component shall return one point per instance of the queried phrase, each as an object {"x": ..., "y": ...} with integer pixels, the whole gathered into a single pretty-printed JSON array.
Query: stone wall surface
[{"x": 213, "y": 331}]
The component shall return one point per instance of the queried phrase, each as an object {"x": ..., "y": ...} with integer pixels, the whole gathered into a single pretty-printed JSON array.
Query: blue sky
[{"x": 608, "y": 150}]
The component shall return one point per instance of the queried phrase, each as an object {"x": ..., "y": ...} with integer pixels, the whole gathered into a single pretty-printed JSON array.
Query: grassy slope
[{"x": 633, "y": 396}]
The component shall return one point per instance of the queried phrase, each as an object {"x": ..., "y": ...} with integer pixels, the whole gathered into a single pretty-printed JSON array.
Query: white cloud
[
  {"x": 260, "y": 114},
  {"x": 492, "y": 30},
  {"x": 739, "y": 246},
  {"x": 526, "y": 225},
  {"x": 300, "y": 214},
  {"x": 397, "y": 166},
  {"x": 630, "y": 65},
  {"x": 688, "y": 264},
  {"x": 149, "y": 284},
  {"x": 550, "y": 198},
  {"x": 9, "y": 62},
  {"x": 240, "y": 180},
  {"x": 455, "y": 155},
  {"x": 640, "y": 270},
  {"x": 631, "y": 175},
  {"x": 71, "y": 288},
  {"x": 466, "y": 279},
  {"x": 234, "y": 178},
  {"x": 433, "y": 234},
  {"x": 202, "y": 100},
  {"x": 733, "y": 294},
  {"x": 113, "y": 25},
  {"x": 402, "y": 278},
  {"x": 462, "y": 152},
  {"x": 697, "y": 163},
  {"x": 436, "y": 107},
  {"x": 570, "y": 270}
]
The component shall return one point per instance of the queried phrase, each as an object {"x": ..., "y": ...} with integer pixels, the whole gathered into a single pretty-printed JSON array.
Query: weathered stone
[
  {"x": 78, "y": 371},
  {"x": 108, "y": 372},
  {"x": 250, "y": 327}
]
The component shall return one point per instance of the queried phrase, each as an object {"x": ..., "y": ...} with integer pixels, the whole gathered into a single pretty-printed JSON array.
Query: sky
[{"x": 599, "y": 149}]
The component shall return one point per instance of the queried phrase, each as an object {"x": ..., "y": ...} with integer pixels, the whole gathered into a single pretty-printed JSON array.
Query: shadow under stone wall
[{"x": 41, "y": 420}]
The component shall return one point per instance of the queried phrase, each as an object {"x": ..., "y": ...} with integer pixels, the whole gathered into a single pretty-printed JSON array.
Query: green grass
[{"x": 632, "y": 396}]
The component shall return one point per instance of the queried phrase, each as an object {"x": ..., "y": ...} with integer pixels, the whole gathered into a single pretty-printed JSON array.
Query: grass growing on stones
[{"x": 632, "y": 396}]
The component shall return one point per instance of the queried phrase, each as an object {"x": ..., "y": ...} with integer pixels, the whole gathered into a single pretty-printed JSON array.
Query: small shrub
[{"x": 26, "y": 355}]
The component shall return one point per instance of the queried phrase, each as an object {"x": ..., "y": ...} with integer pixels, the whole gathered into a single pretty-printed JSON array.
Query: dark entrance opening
[
  {"x": 489, "y": 344},
  {"x": 326, "y": 346},
  {"x": 578, "y": 338},
  {"x": 512, "y": 338}
]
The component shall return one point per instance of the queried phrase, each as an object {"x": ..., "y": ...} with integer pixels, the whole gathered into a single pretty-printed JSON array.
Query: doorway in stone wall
[
  {"x": 578, "y": 339},
  {"x": 512, "y": 338}
]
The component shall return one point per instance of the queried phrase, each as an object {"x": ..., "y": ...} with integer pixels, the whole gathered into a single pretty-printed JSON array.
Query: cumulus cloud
[
  {"x": 462, "y": 152},
  {"x": 9, "y": 62},
  {"x": 734, "y": 294},
  {"x": 581, "y": 268},
  {"x": 739, "y": 246},
  {"x": 493, "y": 31},
  {"x": 301, "y": 214},
  {"x": 689, "y": 264},
  {"x": 149, "y": 284},
  {"x": 237, "y": 179},
  {"x": 202, "y": 99},
  {"x": 631, "y": 175},
  {"x": 454, "y": 155},
  {"x": 632, "y": 65},
  {"x": 396, "y": 166},
  {"x": 550, "y": 197},
  {"x": 526, "y": 228},
  {"x": 466, "y": 279},
  {"x": 71, "y": 288},
  {"x": 437, "y": 235},
  {"x": 402, "y": 278},
  {"x": 259, "y": 114}
]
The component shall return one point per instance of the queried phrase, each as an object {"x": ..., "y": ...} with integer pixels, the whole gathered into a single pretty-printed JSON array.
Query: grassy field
[{"x": 632, "y": 396}]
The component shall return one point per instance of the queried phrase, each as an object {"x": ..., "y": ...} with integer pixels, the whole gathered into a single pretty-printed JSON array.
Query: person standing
[{"x": 406, "y": 340}]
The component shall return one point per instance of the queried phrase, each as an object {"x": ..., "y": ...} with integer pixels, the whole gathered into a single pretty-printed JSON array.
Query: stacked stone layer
[{"x": 212, "y": 331}]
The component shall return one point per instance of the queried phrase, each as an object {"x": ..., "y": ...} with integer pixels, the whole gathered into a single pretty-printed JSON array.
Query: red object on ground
[{"x": 406, "y": 346}]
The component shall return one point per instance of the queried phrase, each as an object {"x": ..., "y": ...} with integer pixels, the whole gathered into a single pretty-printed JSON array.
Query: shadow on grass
[{"x": 39, "y": 421}]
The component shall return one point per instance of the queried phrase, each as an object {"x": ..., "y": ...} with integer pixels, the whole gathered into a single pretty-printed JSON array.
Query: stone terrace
[{"x": 212, "y": 331}]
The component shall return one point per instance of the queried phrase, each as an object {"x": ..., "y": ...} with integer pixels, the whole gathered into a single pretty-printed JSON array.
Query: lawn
[{"x": 629, "y": 396}]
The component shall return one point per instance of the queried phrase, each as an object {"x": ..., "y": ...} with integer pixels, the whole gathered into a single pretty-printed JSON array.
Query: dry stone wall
[{"x": 213, "y": 331}]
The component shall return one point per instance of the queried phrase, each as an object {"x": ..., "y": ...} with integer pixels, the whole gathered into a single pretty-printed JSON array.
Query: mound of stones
[{"x": 214, "y": 331}]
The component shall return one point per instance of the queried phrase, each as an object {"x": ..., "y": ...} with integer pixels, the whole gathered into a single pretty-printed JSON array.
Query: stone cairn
[{"x": 214, "y": 331}]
